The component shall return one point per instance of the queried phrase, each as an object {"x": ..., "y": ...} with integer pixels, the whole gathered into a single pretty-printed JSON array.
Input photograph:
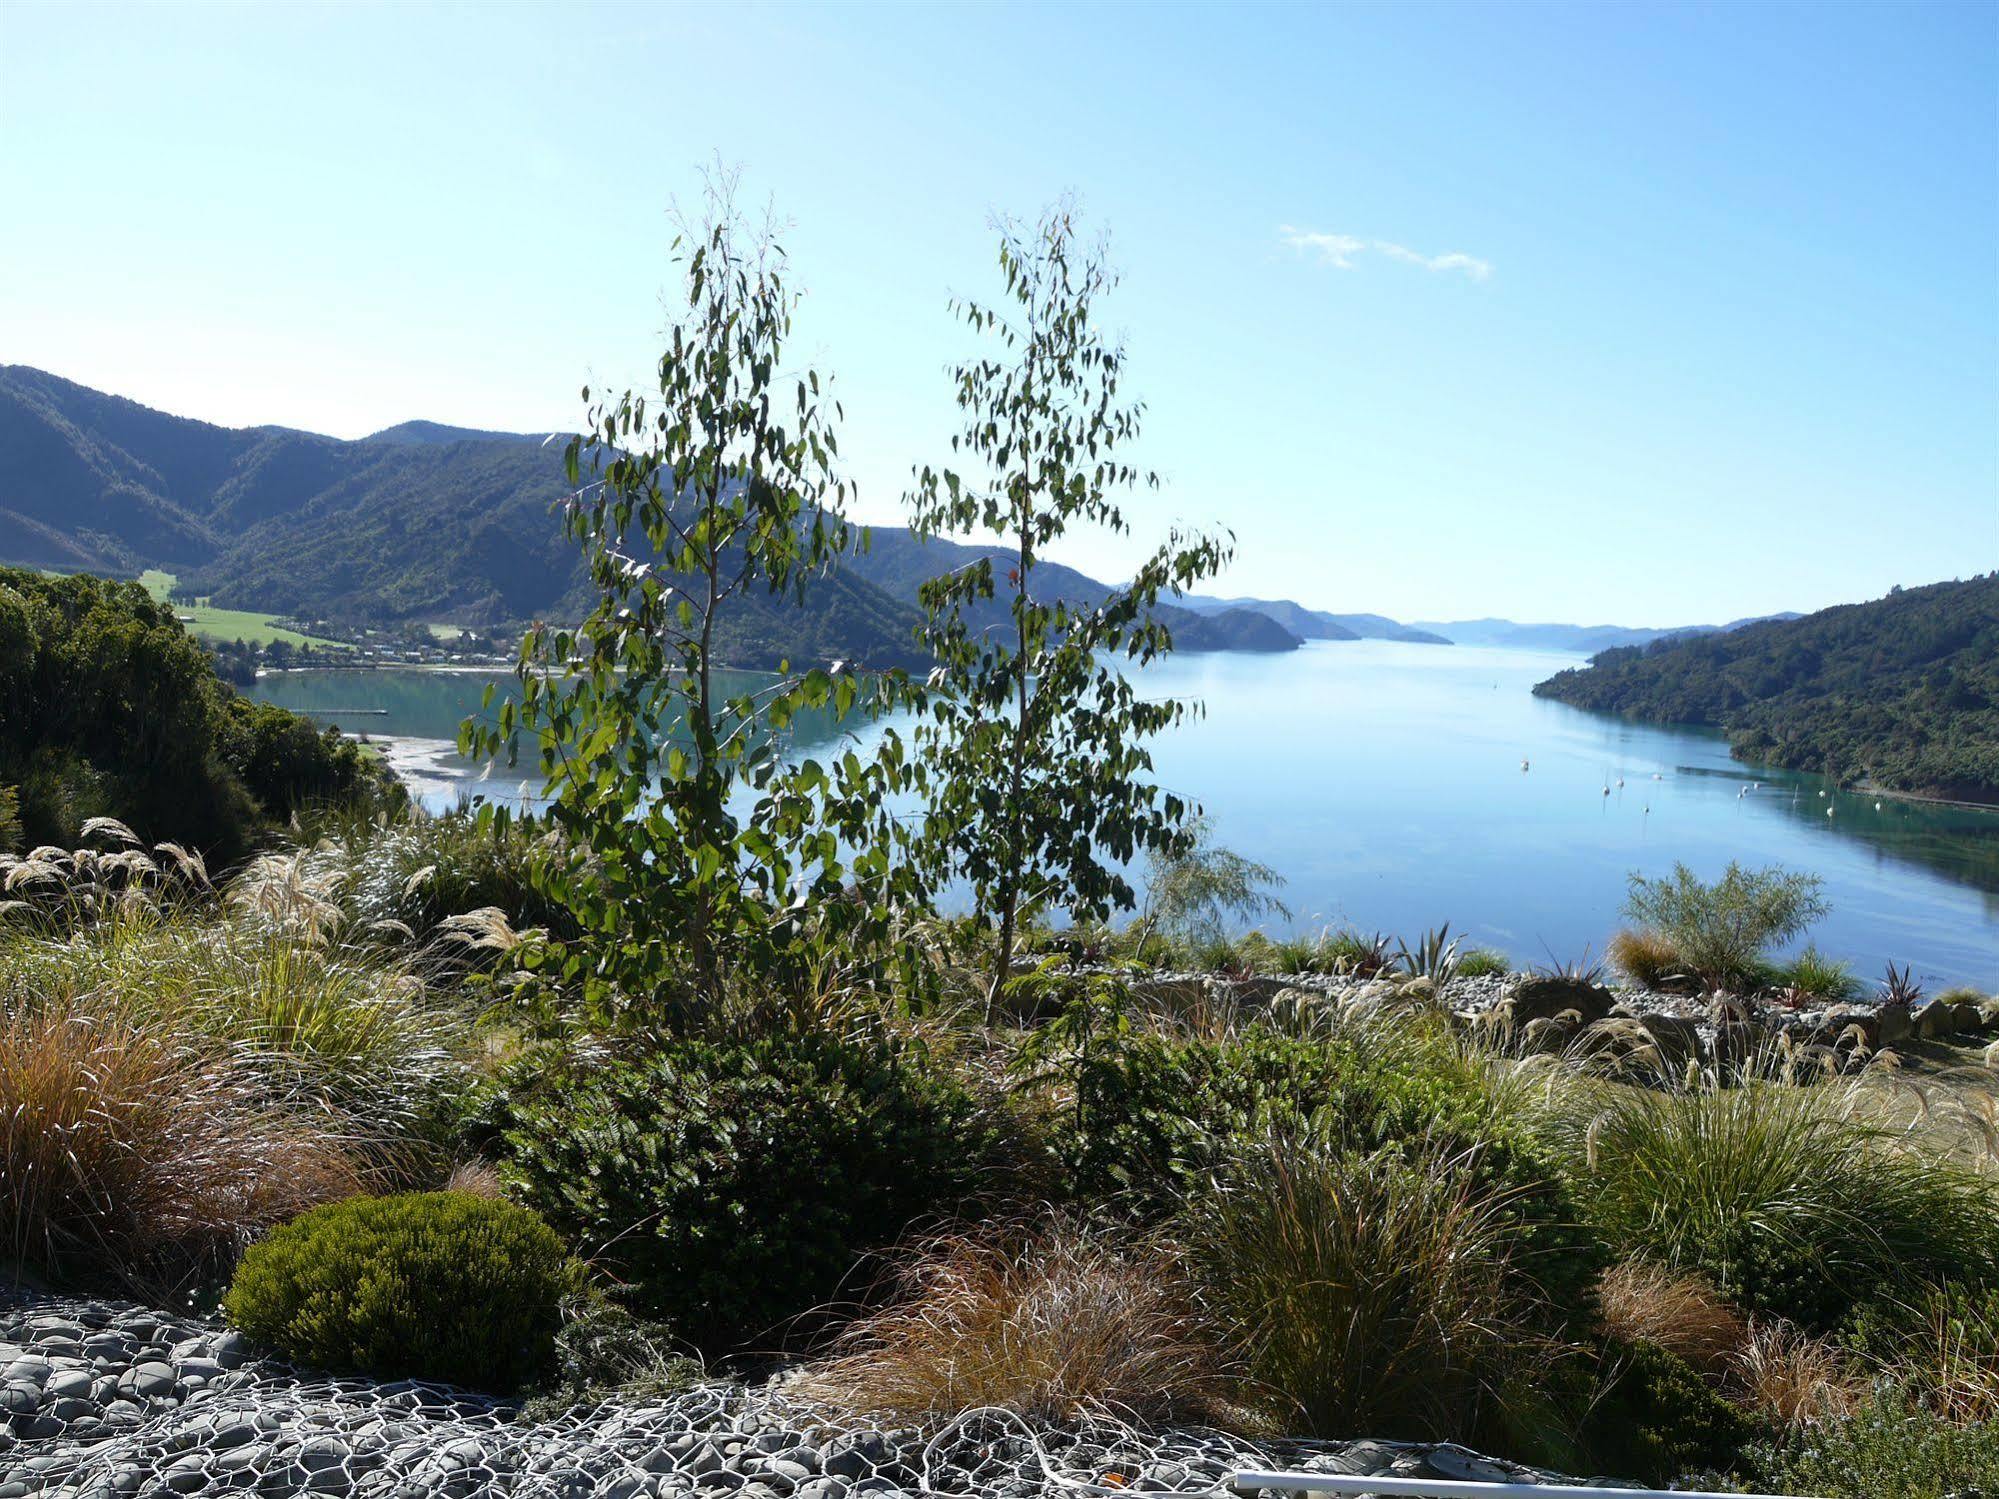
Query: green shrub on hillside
[
  {"x": 1153, "y": 1112},
  {"x": 735, "y": 1185},
  {"x": 435, "y": 1285},
  {"x": 1892, "y": 1449},
  {"x": 1659, "y": 1418}
]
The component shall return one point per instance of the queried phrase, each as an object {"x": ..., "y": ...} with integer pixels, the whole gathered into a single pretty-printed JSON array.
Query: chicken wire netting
[{"x": 115, "y": 1401}]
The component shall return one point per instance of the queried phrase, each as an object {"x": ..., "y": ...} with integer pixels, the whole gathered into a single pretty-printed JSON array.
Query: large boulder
[{"x": 1538, "y": 996}]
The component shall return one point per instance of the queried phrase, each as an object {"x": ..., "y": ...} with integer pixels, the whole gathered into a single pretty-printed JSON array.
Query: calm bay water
[{"x": 1384, "y": 781}]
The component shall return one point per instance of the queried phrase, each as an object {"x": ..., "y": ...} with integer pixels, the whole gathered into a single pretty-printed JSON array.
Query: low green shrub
[
  {"x": 1483, "y": 962},
  {"x": 603, "y": 1352},
  {"x": 1659, "y": 1418},
  {"x": 1892, "y": 1449},
  {"x": 437, "y": 1285},
  {"x": 735, "y": 1184}
]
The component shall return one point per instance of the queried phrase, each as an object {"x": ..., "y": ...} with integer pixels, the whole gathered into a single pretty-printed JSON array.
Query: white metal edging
[{"x": 1456, "y": 1488}]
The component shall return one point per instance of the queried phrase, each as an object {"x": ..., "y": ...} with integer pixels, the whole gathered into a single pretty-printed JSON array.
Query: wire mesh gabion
[{"x": 104, "y": 1399}]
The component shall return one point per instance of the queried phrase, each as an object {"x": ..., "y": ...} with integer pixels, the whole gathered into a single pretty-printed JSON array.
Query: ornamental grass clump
[
  {"x": 434, "y": 1285},
  {"x": 1373, "y": 1292},
  {"x": 1058, "y": 1322},
  {"x": 128, "y": 1154},
  {"x": 1789, "y": 1197},
  {"x": 317, "y": 1018}
]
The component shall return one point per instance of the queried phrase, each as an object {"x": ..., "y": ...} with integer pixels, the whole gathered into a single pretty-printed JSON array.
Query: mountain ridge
[{"x": 419, "y": 520}]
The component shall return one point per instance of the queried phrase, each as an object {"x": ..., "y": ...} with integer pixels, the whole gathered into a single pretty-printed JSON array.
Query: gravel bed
[{"x": 108, "y": 1399}]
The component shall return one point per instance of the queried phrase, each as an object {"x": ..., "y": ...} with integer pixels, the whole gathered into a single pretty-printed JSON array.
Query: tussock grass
[
  {"x": 338, "y": 1022},
  {"x": 1055, "y": 1322},
  {"x": 1371, "y": 1292},
  {"x": 1791, "y": 1198},
  {"x": 1647, "y": 960},
  {"x": 1812, "y": 976},
  {"x": 1641, "y": 1302},
  {"x": 126, "y": 1152},
  {"x": 1791, "y": 1379}
]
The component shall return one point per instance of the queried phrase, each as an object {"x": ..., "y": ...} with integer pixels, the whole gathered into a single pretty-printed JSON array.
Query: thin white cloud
[{"x": 1340, "y": 250}]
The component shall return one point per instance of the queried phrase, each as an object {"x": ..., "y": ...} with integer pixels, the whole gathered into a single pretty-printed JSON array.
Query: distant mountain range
[{"x": 423, "y": 521}]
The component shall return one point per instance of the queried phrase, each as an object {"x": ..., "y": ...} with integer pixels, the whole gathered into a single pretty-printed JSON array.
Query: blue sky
[{"x": 1643, "y": 314}]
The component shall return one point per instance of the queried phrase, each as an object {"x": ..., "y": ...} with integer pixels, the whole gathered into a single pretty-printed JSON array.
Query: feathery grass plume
[
  {"x": 1370, "y": 1292},
  {"x": 1055, "y": 1321},
  {"x": 110, "y": 829},
  {"x": 334, "y": 1022},
  {"x": 296, "y": 894},
  {"x": 127, "y": 1152},
  {"x": 1793, "y": 1199},
  {"x": 1721, "y": 930},
  {"x": 1641, "y": 1302}
]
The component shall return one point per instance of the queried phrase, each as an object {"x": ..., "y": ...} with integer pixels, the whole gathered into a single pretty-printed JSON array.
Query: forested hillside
[
  {"x": 1900, "y": 693},
  {"x": 109, "y": 709},
  {"x": 419, "y": 521}
]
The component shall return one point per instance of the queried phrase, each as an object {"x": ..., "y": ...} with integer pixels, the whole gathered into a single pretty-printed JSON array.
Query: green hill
[
  {"x": 418, "y": 522},
  {"x": 1901, "y": 693}
]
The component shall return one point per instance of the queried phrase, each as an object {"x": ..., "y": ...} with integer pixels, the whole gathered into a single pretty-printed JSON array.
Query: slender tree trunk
[{"x": 1015, "y": 855}]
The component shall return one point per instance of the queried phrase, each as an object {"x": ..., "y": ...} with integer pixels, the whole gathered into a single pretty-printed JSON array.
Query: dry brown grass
[
  {"x": 479, "y": 1178},
  {"x": 1791, "y": 1378},
  {"x": 1641, "y": 1302},
  {"x": 1647, "y": 959},
  {"x": 126, "y": 1152},
  {"x": 1054, "y": 1322}
]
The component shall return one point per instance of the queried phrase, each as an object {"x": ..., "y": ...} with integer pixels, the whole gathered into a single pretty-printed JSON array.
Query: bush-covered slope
[
  {"x": 108, "y": 708},
  {"x": 1900, "y": 693}
]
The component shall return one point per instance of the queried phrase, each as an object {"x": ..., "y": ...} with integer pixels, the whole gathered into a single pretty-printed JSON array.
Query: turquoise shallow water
[{"x": 1385, "y": 782}]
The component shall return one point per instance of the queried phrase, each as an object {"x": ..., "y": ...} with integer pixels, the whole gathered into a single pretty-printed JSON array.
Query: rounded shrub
[
  {"x": 434, "y": 1285},
  {"x": 734, "y": 1185},
  {"x": 1659, "y": 1419}
]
